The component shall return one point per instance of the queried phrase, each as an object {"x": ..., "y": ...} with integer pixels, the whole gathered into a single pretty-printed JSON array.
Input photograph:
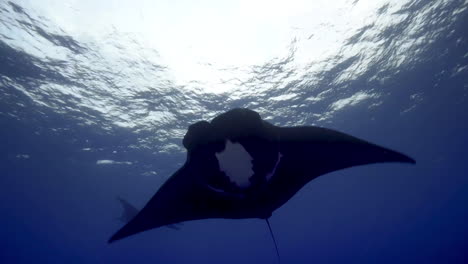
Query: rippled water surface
[{"x": 95, "y": 97}]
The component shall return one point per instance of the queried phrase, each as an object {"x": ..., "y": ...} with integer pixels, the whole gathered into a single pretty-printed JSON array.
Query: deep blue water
[{"x": 75, "y": 133}]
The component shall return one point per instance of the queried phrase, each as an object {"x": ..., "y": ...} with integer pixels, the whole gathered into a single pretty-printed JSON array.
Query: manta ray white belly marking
[{"x": 236, "y": 163}]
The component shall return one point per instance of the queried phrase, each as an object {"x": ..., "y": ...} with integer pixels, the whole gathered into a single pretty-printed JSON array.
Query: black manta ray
[{"x": 239, "y": 166}]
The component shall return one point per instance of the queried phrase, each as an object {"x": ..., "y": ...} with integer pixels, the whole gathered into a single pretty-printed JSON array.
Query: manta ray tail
[{"x": 274, "y": 240}]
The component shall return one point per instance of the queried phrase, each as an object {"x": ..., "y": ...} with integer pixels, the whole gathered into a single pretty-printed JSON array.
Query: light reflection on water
[{"x": 113, "y": 79}]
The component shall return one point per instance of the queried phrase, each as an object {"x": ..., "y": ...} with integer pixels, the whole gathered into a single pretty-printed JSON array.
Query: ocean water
[{"x": 95, "y": 99}]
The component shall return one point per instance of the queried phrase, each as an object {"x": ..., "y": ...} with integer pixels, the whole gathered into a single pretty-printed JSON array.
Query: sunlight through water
[{"x": 143, "y": 65}]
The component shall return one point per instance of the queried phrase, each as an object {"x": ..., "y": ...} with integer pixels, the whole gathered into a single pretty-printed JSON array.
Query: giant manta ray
[{"x": 240, "y": 166}]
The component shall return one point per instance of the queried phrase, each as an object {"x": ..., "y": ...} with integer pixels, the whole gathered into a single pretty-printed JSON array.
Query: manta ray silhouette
[{"x": 239, "y": 166}]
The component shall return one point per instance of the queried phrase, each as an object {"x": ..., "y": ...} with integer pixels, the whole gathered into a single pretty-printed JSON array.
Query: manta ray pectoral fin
[
  {"x": 309, "y": 152},
  {"x": 325, "y": 150},
  {"x": 180, "y": 199},
  {"x": 159, "y": 211}
]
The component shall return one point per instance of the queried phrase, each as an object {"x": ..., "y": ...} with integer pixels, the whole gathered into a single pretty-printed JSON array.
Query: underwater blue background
[{"x": 82, "y": 122}]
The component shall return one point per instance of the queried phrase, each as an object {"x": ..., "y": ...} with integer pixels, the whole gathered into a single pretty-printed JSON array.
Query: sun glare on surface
[{"x": 213, "y": 42}]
